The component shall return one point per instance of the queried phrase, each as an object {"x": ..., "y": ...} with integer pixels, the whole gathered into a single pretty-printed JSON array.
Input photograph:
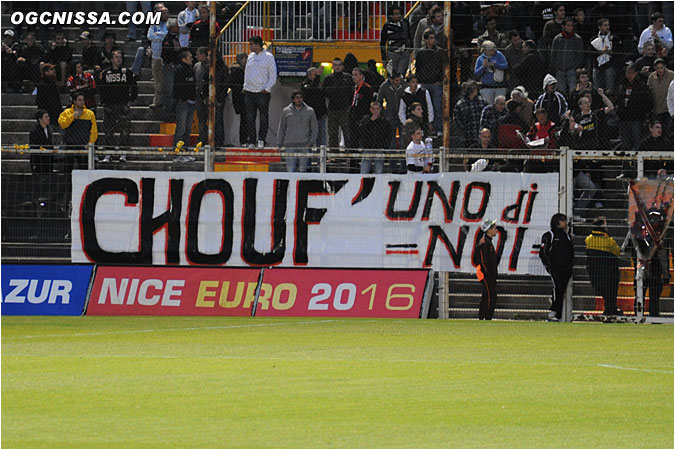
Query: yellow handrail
[
  {"x": 413, "y": 8},
  {"x": 243, "y": 7}
]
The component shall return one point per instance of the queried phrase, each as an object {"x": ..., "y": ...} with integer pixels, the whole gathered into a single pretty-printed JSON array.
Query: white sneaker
[
  {"x": 123, "y": 158},
  {"x": 578, "y": 219},
  {"x": 552, "y": 317},
  {"x": 251, "y": 145},
  {"x": 261, "y": 144},
  {"x": 106, "y": 159}
]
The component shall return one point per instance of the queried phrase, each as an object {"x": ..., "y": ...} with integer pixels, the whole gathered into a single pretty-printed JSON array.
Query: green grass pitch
[{"x": 254, "y": 382}]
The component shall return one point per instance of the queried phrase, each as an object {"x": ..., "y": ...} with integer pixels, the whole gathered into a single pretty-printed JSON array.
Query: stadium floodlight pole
[
  {"x": 446, "y": 77},
  {"x": 213, "y": 37}
]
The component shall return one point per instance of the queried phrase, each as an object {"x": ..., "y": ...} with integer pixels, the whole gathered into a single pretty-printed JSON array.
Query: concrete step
[
  {"x": 28, "y": 112},
  {"x": 11, "y": 99},
  {"x": 136, "y": 139},
  {"x": 25, "y": 125}
]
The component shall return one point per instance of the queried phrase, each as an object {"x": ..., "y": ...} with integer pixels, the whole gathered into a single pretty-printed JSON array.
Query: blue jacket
[
  {"x": 487, "y": 76},
  {"x": 156, "y": 35}
]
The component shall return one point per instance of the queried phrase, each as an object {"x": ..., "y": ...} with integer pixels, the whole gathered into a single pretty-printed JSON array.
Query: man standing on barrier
[
  {"x": 557, "y": 254},
  {"x": 485, "y": 259}
]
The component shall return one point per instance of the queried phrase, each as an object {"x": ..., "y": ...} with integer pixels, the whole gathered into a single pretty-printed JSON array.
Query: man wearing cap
[
  {"x": 9, "y": 65},
  {"x": 485, "y": 259}
]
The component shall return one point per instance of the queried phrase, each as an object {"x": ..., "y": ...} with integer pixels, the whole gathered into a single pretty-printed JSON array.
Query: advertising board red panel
[
  {"x": 341, "y": 293},
  {"x": 173, "y": 291}
]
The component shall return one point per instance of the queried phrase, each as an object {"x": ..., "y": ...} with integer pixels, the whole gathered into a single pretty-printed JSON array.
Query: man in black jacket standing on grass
[
  {"x": 557, "y": 254},
  {"x": 485, "y": 259}
]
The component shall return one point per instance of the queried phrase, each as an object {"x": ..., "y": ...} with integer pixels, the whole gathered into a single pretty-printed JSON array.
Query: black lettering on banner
[
  {"x": 90, "y": 246},
  {"x": 279, "y": 206},
  {"x": 199, "y": 190},
  {"x": 478, "y": 215},
  {"x": 365, "y": 190},
  {"x": 403, "y": 214},
  {"x": 169, "y": 218},
  {"x": 514, "y": 209},
  {"x": 305, "y": 216},
  {"x": 530, "y": 202},
  {"x": 436, "y": 233},
  {"x": 517, "y": 245},
  {"x": 448, "y": 204}
]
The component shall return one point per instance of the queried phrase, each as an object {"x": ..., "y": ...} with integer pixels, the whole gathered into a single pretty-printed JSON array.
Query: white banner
[{"x": 239, "y": 219}]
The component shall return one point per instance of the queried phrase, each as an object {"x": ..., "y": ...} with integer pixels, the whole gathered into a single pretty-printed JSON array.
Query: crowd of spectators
[{"x": 602, "y": 74}]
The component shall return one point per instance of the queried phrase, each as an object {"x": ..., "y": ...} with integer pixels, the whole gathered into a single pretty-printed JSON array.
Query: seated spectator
[
  {"x": 634, "y": 104},
  {"x": 48, "y": 93},
  {"x": 567, "y": 55},
  {"x": 60, "y": 54},
  {"x": 511, "y": 126},
  {"x": 297, "y": 132},
  {"x": 493, "y": 35},
  {"x": 552, "y": 100},
  {"x": 109, "y": 47},
  {"x": 485, "y": 142},
  {"x": 602, "y": 49},
  {"x": 583, "y": 84},
  {"x": 527, "y": 108},
  {"x": 92, "y": 56},
  {"x": 395, "y": 41},
  {"x": 83, "y": 82},
  {"x": 492, "y": 113},
  {"x": 490, "y": 69},
  {"x": 467, "y": 113},
  {"x": 602, "y": 264},
  {"x": 416, "y": 94},
  {"x": 542, "y": 129},
  {"x": 658, "y": 82},
  {"x": 419, "y": 157},
  {"x": 375, "y": 134},
  {"x": 645, "y": 63},
  {"x": 658, "y": 34},
  {"x": 29, "y": 57},
  {"x": 530, "y": 71},
  {"x": 415, "y": 120}
]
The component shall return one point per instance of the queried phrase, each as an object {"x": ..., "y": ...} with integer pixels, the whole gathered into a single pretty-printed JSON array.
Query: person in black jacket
[
  {"x": 633, "y": 107},
  {"x": 530, "y": 71},
  {"x": 557, "y": 254},
  {"x": 485, "y": 259},
  {"x": 316, "y": 99},
  {"x": 222, "y": 82},
  {"x": 429, "y": 69},
  {"x": 339, "y": 89},
  {"x": 48, "y": 93},
  {"x": 374, "y": 133},
  {"x": 396, "y": 41},
  {"x": 118, "y": 90},
  {"x": 41, "y": 137},
  {"x": 184, "y": 94},
  {"x": 361, "y": 100},
  {"x": 237, "y": 86}
]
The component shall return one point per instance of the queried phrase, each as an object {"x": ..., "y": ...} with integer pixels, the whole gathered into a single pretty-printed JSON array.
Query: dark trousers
[
  {"x": 116, "y": 120},
  {"x": 560, "y": 280},
  {"x": 488, "y": 300},
  {"x": 655, "y": 284},
  {"x": 257, "y": 102}
]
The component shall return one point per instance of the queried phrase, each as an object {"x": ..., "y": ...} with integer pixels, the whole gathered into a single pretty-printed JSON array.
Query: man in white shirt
[
  {"x": 659, "y": 34},
  {"x": 260, "y": 75},
  {"x": 185, "y": 20}
]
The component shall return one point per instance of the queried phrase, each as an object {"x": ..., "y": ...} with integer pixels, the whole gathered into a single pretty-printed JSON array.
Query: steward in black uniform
[
  {"x": 485, "y": 259},
  {"x": 557, "y": 254}
]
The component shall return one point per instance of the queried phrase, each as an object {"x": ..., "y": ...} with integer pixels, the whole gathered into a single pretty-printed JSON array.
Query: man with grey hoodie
[{"x": 298, "y": 131}]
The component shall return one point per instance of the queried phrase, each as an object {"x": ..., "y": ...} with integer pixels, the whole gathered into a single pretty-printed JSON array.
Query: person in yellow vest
[{"x": 602, "y": 264}]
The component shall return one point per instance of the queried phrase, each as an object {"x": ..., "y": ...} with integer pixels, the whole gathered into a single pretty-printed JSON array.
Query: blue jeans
[
  {"x": 489, "y": 94},
  {"x": 631, "y": 132},
  {"x": 184, "y": 114},
  {"x": 138, "y": 61},
  {"x": 257, "y": 102},
  {"x": 367, "y": 163},
  {"x": 436, "y": 93},
  {"x": 588, "y": 189},
  {"x": 297, "y": 163},
  {"x": 321, "y": 137},
  {"x": 132, "y": 7},
  {"x": 567, "y": 80},
  {"x": 604, "y": 78}
]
